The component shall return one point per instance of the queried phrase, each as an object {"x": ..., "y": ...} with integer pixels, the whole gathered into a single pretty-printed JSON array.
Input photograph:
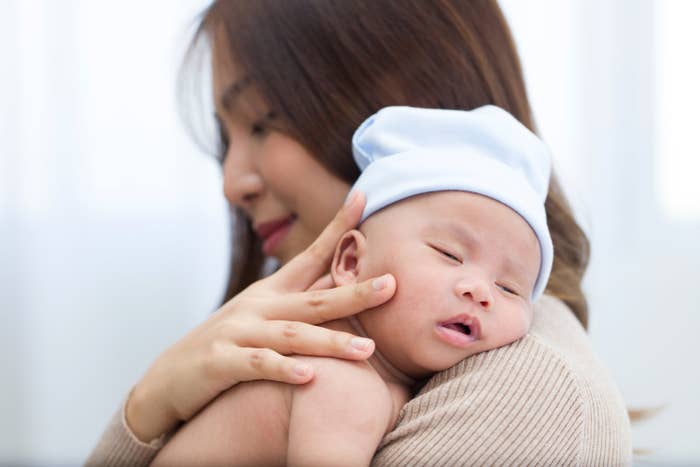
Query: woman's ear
[{"x": 351, "y": 248}]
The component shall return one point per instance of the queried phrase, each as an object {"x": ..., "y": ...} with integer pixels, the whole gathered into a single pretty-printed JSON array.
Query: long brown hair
[{"x": 323, "y": 66}]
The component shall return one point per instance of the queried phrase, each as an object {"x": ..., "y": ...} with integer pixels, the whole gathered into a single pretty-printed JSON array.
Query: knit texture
[
  {"x": 120, "y": 447},
  {"x": 543, "y": 400}
]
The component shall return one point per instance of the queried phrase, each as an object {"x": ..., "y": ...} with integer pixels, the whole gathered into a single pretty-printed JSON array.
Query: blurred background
[{"x": 113, "y": 225}]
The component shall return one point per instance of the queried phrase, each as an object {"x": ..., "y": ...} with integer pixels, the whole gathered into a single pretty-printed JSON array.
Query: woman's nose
[
  {"x": 242, "y": 182},
  {"x": 476, "y": 289}
]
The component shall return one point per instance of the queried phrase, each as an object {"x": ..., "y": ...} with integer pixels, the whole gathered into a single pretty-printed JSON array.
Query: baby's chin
[
  {"x": 441, "y": 362},
  {"x": 429, "y": 367}
]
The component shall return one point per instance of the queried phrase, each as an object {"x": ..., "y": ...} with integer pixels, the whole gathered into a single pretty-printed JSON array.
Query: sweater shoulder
[{"x": 533, "y": 401}]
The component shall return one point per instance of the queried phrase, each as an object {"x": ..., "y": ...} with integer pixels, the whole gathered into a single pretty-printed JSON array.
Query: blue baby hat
[{"x": 406, "y": 151}]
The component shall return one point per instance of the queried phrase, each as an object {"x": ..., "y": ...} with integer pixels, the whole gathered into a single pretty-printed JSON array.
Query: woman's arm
[
  {"x": 118, "y": 446},
  {"x": 247, "y": 339}
]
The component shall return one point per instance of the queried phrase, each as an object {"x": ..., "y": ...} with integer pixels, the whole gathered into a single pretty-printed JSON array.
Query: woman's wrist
[{"x": 144, "y": 418}]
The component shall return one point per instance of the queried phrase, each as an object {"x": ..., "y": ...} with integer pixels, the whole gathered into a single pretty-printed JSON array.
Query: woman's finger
[
  {"x": 320, "y": 306},
  {"x": 323, "y": 282},
  {"x": 293, "y": 337},
  {"x": 249, "y": 364},
  {"x": 305, "y": 268}
]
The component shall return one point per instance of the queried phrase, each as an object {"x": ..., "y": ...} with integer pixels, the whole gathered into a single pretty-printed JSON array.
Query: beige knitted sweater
[{"x": 543, "y": 400}]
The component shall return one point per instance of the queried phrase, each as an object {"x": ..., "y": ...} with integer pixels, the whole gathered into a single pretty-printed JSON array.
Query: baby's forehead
[
  {"x": 447, "y": 204},
  {"x": 434, "y": 213}
]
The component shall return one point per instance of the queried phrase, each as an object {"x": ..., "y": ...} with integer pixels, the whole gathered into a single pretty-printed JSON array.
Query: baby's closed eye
[{"x": 447, "y": 253}]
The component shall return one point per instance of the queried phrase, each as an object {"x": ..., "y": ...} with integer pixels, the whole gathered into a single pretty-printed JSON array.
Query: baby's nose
[{"x": 477, "y": 290}]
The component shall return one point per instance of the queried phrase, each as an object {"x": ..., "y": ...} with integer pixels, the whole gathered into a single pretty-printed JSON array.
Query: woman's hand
[{"x": 249, "y": 336}]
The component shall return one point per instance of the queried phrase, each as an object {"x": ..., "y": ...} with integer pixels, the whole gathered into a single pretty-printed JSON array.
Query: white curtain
[
  {"x": 614, "y": 88},
  {"x": 113, "y": 227}
]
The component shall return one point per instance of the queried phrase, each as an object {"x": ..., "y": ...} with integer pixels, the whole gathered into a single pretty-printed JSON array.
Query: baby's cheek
[
  {"x": 378, "y": 260},
  {"x": 529, "y": 317},
  {"x": 414, "y": 287},
  {"x": 373, "y": 266},
  {"x": 525, "y": 323},
  {"x": 513, "y": 326}
]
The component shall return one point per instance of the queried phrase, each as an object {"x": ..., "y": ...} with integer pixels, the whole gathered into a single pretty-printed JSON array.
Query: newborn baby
[{"x": 455, "y": 211}]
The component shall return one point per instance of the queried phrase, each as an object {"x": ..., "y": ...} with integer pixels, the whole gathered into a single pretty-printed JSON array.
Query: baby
[{"x": 455, "y": 211}]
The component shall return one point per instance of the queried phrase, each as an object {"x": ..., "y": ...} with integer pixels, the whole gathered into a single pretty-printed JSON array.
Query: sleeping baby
[{"x": 455, "y": 211}]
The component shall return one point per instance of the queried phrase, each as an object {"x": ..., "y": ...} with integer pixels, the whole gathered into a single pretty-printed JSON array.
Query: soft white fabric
[{"x": 406, "y": 151}]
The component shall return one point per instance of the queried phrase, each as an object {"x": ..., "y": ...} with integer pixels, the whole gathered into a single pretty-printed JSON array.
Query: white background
[{"x": 113, "y": 227}]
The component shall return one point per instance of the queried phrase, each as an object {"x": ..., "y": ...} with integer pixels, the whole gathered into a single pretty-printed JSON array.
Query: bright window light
[{"x": 677, "y": 108}]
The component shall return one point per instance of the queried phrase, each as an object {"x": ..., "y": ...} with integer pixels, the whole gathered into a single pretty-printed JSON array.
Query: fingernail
[
  {"x": 380, "y": 282},
  {"x": 351, "y": 199},
  {"x": 301, "y": 369},
  {"x": 360, "y": 343}
]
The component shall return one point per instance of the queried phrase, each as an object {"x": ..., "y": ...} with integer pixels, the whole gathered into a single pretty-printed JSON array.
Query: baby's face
[{"x": 465, "y": 267}]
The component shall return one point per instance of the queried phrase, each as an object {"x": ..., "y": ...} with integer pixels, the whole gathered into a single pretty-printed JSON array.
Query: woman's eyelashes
[
  {"x": 223, "y": 139},
  {"x": 259, "y": 128}
]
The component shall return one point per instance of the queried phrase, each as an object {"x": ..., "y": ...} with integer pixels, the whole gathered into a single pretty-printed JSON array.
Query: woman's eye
[
  {"x": 257, "y": 129},
  {"x": 223, "y": 142}
]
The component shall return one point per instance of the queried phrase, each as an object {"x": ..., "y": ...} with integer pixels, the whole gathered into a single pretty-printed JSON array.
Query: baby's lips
[{"x": 462, "y": 321}]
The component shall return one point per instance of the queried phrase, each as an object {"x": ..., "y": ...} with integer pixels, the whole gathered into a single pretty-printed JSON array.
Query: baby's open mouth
[
  {"x": 460, "y": 331},
  {"x": 459, "y": 327}
]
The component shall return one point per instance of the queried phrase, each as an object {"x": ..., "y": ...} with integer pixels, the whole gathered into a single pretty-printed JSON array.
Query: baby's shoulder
[
  {"x": 339, "y": 378},
  {"x": 354, "y": 385}
]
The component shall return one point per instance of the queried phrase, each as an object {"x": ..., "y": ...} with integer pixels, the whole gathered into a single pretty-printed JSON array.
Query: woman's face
[{"x": 287, "y": 194}]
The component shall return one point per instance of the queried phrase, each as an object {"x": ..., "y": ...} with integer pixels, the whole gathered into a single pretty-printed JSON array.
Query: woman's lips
[
  {"x": 273, "y": 232},
  {"x": 460, "y": 331}
]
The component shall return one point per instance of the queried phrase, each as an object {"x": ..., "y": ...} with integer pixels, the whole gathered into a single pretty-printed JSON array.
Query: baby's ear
[{"x": 346, "y": 260}]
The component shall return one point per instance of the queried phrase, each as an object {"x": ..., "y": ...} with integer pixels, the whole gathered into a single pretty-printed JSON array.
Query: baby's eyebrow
[
  {"x": 515, "y": 267},
  {"x": 462, "y": 234},
  {"x": 232, "y": 91}
]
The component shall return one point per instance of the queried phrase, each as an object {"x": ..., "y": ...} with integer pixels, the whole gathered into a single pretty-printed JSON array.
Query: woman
[{"x": 292, "y": 80}]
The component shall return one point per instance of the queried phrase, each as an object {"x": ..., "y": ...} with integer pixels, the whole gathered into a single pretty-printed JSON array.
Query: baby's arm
[
  {"x": 246, "y": 425},
  {"x": 340, "y": 417}
]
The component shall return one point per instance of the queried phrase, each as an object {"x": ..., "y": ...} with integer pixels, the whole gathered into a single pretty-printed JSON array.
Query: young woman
[{"x": 292, "y": 80}]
